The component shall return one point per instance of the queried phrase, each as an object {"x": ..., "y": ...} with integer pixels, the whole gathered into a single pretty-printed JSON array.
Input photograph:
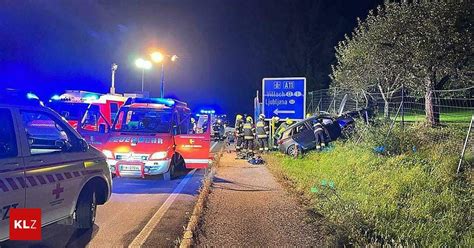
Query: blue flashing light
[
  {"x": 166, "y": 101},
  {"x": 55, "y": 98},
  {"x": 91, "y": 97},
  {"x": 207, "y": 111},
  {"x": 32, "y": 96}
]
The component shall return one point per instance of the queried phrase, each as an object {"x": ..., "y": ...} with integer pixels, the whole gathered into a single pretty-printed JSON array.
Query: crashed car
[{"x": 299, "y": 137}]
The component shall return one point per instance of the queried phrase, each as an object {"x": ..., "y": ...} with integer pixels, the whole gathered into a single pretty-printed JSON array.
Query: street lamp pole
[
  {"x": 162, "y": 80},
  {"x": 143, "y": 79},
  {"x": 143, "y": 65},
  {"x": 114, "y": 68}
]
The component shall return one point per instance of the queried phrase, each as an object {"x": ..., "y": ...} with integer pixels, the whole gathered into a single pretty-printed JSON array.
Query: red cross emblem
[{"x": 58, "y": 190}]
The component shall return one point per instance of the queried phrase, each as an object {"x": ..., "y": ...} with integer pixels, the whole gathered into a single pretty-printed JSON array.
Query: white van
[{"x": 46, "y": 164}]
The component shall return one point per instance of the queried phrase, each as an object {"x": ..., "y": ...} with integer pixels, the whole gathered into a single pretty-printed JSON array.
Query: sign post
[{"x": 284, "y": 98}]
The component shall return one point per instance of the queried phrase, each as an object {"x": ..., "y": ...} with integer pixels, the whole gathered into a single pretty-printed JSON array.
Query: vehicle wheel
[
  {"x": 170, "y": 173},
  {"x": 294, "y": 151},
  {"x": 86, "y": 209}
]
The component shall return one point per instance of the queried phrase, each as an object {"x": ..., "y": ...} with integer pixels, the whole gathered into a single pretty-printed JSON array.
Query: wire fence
[{"x": 450, "y": 106}]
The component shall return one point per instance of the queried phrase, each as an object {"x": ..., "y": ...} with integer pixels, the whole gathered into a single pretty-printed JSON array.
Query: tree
[{"x": 422, "y": 45}]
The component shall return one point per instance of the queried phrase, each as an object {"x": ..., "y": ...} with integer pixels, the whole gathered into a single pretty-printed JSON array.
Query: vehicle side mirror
[
  {"x": 102, "y": 128},
  {"x": 84, "y": 145},
  {"x": 62, "y": 144},
  {"x": 175, "y": 130}
]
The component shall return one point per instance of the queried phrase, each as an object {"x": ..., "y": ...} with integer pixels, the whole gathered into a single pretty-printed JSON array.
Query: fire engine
[
  {"x": 153, "y": 136},
  {"x": 91, "y": 114}
]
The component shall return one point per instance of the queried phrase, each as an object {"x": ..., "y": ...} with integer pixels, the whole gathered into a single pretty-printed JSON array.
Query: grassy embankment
[{"x": 408, "y": 195}]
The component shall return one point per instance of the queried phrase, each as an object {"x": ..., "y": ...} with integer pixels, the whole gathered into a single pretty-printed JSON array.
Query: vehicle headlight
[
  {"x": 159, "y": 155},
  {"x": 108, "y": 153}
]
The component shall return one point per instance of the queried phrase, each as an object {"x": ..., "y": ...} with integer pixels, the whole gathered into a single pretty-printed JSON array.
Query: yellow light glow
[{"x": 157, "y": 57}]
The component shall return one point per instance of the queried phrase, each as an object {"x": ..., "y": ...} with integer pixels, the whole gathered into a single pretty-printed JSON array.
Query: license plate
[{"x": 129, "y": 168}]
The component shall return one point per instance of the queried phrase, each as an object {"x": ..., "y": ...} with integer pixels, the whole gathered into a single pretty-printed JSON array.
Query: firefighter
[
  {"x": 239, "y": 135},
  {"x": 262, "y": 133},
  {"x": 249, "y": 136},
  {"x": 282, "y": 128},
  {"x": 194, "y": 125},
  {"x": 319, "y": 136}
]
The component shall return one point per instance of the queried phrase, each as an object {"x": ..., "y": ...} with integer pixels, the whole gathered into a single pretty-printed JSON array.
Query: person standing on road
[
  {"x": 262, "y": 133},
  {"x": 319, "y": 136},
  {"x": 239, "y": 135},
  {"x": 249, "y": 136}
]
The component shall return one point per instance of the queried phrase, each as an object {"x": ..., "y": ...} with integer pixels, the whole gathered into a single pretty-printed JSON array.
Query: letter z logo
[{"x": 25, "y": 224}]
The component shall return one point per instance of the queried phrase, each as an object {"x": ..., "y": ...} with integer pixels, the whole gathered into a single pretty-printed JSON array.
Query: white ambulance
[{"x": 46, "y": 164}]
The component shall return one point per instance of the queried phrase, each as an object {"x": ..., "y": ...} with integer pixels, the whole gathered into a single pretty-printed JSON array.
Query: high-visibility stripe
[
  {"x": 41, "y": 179},
  {"x": 12, "y": 183},
  {"x": 3, "y": 186},
  {"x": 22, "y": 182},
  {"x": 50, "y": 178},
  {"x": 32, "y": 181},
  {"x": 59, "y": 177},
  {"x": 196, "y": 161}
]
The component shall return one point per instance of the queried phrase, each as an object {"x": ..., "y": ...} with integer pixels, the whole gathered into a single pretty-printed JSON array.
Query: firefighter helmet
[
  {"x": 289, "y": 121},
  {"x": 193, "y": 120},
  {"x": 261, "y": 116},
  {"x": 249, "y": 119},
  {"x": 238, "y": 117}
]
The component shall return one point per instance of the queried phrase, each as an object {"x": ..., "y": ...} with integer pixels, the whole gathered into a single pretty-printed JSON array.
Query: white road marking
[
  {"x": 146, "y": 231},
  {"x": 212, "y": 147}
]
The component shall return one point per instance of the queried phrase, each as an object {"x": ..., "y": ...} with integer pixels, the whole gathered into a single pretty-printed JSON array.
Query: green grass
[
  {"x": 403, "y": 197},
  {"x": 446, "y": 117}
]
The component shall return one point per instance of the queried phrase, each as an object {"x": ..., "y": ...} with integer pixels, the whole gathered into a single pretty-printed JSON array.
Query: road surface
[
  {"x": 141, "y": 212},
  {"x": 247, "y": 207}
]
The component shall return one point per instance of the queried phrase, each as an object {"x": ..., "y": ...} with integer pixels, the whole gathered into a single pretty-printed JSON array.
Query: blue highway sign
[{"x": 284, "y": 97}]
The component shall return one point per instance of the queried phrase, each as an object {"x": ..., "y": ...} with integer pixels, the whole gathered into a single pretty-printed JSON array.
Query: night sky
[{"x": 225, "y": 47}]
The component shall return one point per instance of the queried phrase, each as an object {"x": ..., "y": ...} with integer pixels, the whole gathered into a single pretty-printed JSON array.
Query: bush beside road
[{"x": 410, "y": 195}]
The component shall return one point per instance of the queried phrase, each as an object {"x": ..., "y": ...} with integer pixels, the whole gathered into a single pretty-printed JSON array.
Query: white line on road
[
  {"x": 146, "y": 231},
  {"x": 212, "y": 147}
]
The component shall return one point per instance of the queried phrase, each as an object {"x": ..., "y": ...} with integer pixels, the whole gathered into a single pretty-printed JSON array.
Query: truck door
[
  {"x": 94, "y": 127},
  {"x": 12, "y": 178},
  {"x": 193, "y": 140}
]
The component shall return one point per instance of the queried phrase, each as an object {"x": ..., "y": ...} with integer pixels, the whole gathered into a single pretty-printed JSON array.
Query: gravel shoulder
[{"x": 248, "y": 207}]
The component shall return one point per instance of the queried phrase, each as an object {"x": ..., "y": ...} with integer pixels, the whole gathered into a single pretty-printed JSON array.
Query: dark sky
[{"x": 226, "y": 47}]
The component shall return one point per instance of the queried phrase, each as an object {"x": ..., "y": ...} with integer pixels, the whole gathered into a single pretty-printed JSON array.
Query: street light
[
  {"x": 159, "y": 58},
  {"x": 144, "y": 65}
]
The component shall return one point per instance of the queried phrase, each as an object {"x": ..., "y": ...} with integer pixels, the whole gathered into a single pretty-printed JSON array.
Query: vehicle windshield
[
  {"x": 143, "y": 120},
  {"x": 68, "y": 110}
]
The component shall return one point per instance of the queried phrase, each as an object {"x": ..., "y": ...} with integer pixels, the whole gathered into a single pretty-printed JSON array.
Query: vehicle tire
[
  {"x": 86, "y": 209},
  {"x": 169, "y": 175},
  {"x": 294, "y": 151}
]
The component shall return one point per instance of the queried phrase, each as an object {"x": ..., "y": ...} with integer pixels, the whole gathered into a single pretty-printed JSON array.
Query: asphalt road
[{"x": 141, "y": 212}]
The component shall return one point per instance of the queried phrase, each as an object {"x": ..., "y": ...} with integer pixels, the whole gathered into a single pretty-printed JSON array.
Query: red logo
[{"x": 25, "y": 224}]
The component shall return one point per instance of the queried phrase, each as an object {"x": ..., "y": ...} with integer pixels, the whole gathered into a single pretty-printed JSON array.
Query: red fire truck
[
  {"x": 90, "y": 113},
  {"x": 153, "y": 136}
]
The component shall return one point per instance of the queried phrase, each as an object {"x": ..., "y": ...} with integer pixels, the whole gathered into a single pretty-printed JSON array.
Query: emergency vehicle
[
  {"x": 90, "y": 113},
  {"x": 153, "y": 136},
  {"x": 46, "y": 164}
]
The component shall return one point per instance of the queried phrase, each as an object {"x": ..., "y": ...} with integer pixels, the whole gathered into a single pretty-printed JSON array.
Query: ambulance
[
  {"x": 46, "y": 164},
  {"x": 90, "y": 113},
  {"x": 155, "y": 136}
]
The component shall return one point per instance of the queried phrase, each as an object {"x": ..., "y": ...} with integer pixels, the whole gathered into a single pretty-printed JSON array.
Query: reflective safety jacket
[
  {"x": 239, "y": 128},
  {"x": 282, "y": 128},
  {"x": 261, "y": 129},
  {"x": 249, "y": 131}
]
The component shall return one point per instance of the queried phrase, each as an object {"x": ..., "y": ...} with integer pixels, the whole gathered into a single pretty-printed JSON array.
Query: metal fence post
[{"x": 465, "y": 145}]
